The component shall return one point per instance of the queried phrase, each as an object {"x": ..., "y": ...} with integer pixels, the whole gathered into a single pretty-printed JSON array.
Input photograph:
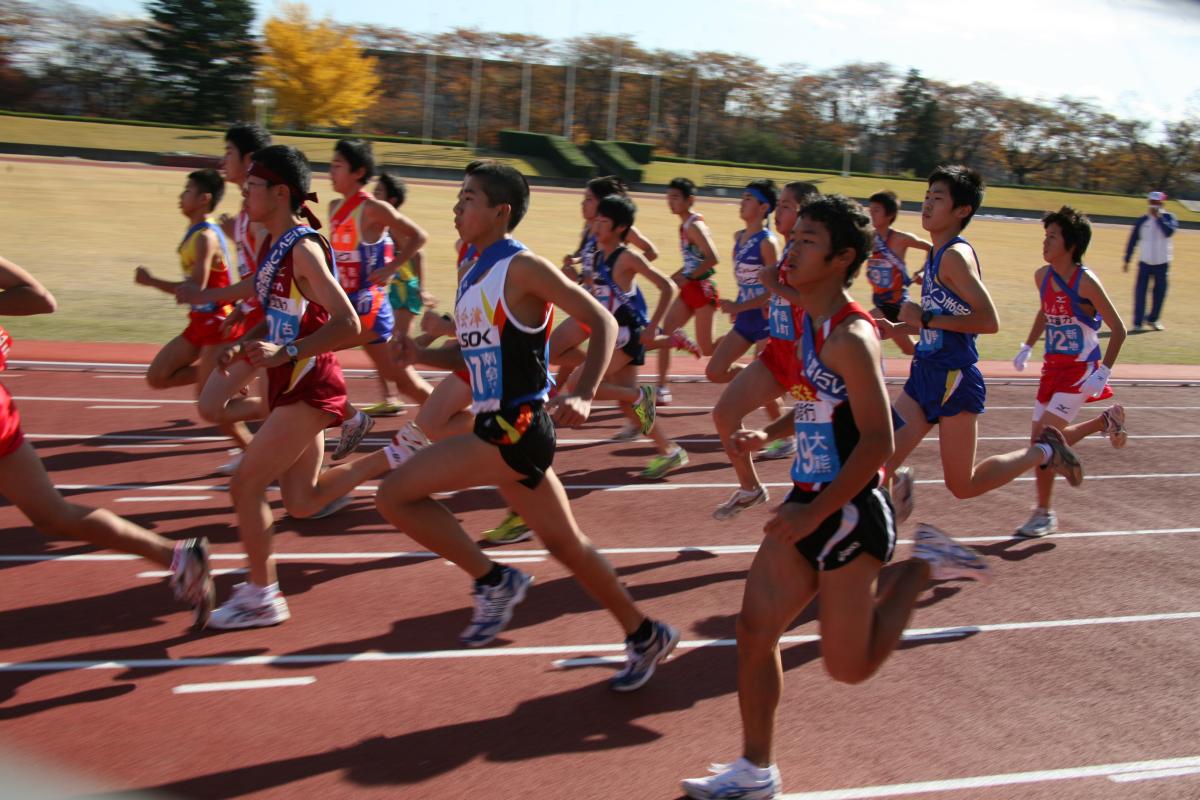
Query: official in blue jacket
[{"x": 1154, "y": 230}]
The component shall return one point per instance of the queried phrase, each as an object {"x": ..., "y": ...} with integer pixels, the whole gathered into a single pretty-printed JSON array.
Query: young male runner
[
  {"x": 308, "y": 317},
  {"x": 886, "y": 270},
  {"x": 503, "y": 313},
  {"x": 698, "y": 293},
  {"x": 770, "y": 374},
  {"x": 24, "y": 482},
  {"x": 1074, "y": 305},
  {"x": 835, "y": 531},
  {"x": 189, "y": 358},
  {"x": 944, "y": 386},
  {"x": 359, "y": 225}
]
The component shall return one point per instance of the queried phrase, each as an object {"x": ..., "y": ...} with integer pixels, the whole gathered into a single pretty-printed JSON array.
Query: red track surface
[{"x": 435, "y": 721}]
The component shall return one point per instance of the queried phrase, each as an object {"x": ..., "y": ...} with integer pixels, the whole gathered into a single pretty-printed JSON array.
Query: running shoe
[
  {"x": 385, "y": 409},
  {"x": 353, "y": 431},
  {"x": 661, "y": 465},
  {"x": 1041, "y": 523},
  {"x": 251, "y": 607},
  {"x": 191, "y": 579},
  {"x": 231, "y": 466},
  {"x": 741, "y": 779},
  {"x": 1158, "y": 326},
  {"x": 512, "y": 530},
  {"x": 681, "y": 341},
  {"x": 947, "y": 558},
  {"x": 642, "y": 659},
  {"x": 1062, "y": 458},
  {"x": 333, "y": 507},
  {"x": 494, "y": 607},
  {"x": 626, "y": 434},
  {"x": 662, "y": 396},
  {"x": 902, "y": 493},
  {"x": 406, "y": 441},
  {"x": 1114, "y": 425},
  {"x": 740, "y": 501},
  {"x": 645, "y": 408},
  {"x": 780, "y": 449}
]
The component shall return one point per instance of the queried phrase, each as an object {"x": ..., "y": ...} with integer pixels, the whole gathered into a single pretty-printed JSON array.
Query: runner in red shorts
[
  {"x": 23, "y": 478},
  {"x": 1074, "y": 305},
  {"x": 308, "y": 317},
  {"x": 190, "y": 357}
]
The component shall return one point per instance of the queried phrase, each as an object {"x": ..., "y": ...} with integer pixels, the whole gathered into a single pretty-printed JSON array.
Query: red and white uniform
[
  {"x": 246, "y": 244},
  {"x": 1072, "y": 346},
  {"x": 11, "y": 436},
  {"x": 783, "y": 326}
]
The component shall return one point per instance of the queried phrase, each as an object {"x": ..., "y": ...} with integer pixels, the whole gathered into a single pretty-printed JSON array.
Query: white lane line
[
  {"x": 99, "y": 400},
  {"x": 509, "y": 560},
  {"x": 237, "y": 686},
  {"x": 916, "y": 634},
  {"x": 135, "y": 446},
  {"x": 988, "y": 781},
  {"x": 714, "y": 549},
  {"x": 166, "y": 573},
  {"x": 130, "y": 437},
  {"x": 121, "y": 408},
  {"x": 1154, "y": 774},
  {"x": 120, "y": 377},
  {"x": 167, "y": 498}
]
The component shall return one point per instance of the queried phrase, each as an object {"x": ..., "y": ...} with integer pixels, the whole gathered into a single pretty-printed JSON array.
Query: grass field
[
  {"x": 82, "y": 229},
  {"x": 63, "y": 133},
  {"x": 1039, "y": 199}
]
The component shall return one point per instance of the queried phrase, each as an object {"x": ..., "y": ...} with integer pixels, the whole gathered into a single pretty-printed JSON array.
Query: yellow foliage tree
[{"x": 319, "y": 75}]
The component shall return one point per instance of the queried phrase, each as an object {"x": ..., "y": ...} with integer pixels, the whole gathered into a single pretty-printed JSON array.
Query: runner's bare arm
[
  {"x": 1092, "y": 290},
  {"x": 408, "y": 235},
  {"x": 189, "y": 293},
  {"x": 963, "y": 280},
  {"x": 666, "y": 290},
  {"x": 769, "y": 275},
  {"x": 21, "y": 294},
  {"x": 914, "y": 241},
  {"x": 698, "y": 234},
  {"x": 647, "y": 247}
]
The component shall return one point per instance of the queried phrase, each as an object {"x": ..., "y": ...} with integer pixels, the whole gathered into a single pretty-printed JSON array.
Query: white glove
[
  {"x": 1096, "y": 382},
  {"x": 1022, "y": 357}
]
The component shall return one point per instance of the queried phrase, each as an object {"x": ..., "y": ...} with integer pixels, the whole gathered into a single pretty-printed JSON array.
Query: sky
[{"x": 1135, "y": 58}]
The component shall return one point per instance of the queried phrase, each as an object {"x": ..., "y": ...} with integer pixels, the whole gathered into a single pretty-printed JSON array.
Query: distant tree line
[{"x": 199, "y": 61}]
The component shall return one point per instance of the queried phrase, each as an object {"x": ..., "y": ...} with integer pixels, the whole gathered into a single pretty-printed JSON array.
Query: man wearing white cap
[{"x": 1154, "y": 230}]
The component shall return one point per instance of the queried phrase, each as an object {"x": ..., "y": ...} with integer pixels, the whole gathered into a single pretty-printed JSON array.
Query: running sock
[
  {"x": 1047, "y": 452},
  {"x": 643, "y": 632},
  {"x": 493, "y": 578}
]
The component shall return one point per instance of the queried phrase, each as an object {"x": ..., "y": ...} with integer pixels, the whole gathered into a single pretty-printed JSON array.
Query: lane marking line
[
  {"x": 714, "y": 549},
  {"x": 164, "y": 573},
  {"x": 167, "y": 498},
  {"x": 916, "y": 634},
  {"x": 1155, "y": 774},
  {"x": 988, "y": 781},
  {"x": 237, "y": 686},
  {"x": 135, "y": 446},
  {"x": 31, "y": 399},
  {"x": 122, "y": 408}
]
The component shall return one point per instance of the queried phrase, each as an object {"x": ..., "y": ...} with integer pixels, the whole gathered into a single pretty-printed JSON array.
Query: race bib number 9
[{"x": 880, "y": 277}]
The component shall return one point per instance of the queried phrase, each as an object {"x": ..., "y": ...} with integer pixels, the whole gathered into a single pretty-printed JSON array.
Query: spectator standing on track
[
  {"x": 1154, "y": 231},
  {"x": 835, "y": 531},
  {"x": 504, "y": 309},
  {"x": 24, "y": 482},
  {"x": 1073, "y": 307}
]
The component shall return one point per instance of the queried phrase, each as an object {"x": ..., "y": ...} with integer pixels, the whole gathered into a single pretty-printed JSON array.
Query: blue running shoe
[
  {"x": 642, "y": 659},
  {"x": 494, "y": 607}
]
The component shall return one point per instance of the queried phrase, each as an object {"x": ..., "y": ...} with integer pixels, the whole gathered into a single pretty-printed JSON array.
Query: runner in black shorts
[{"x": 503, "y": 311}]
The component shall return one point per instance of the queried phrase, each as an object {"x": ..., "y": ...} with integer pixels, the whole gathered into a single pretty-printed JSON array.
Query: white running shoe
[
  {"x": 231, "y": 466},
  {"x": 191, "y": 579},
  {"x": 780, "y": 449},
  {"x": 662, "y": 396},
  {"x": 947, "y": 558},
  {"x": 404, "y": 443},
  {"x": 1114, "y": 425},
  {"x": 740, "y": 501},
  {"x": 251, "y": 606},
  {"x": 626, "y": 434},
  {"x": 353, "y": 431},
  {"x": 1041, "y": 523},
  {"x": 741, "y": 779},
  {"x": 902, "y": 493}
]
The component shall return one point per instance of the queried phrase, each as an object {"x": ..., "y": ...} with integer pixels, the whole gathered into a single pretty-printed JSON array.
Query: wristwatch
[
  {"x": 293, "y": 353},
  {"x": 926, "y": 315}
]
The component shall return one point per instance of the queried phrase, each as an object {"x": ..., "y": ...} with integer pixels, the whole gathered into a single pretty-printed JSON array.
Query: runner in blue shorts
[{"x": 945, "y": 386}]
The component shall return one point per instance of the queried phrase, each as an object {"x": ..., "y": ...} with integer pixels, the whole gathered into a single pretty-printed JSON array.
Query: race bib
[
  {"x": 781, "y": 321},
  {"x": 1064, "y": 340},
  {"x": 816, "y": 449}
]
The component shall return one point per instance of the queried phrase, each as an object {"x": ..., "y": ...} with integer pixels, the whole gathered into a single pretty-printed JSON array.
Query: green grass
[
  {"x": 82, "y": 230},
  {"x": 106, "y": 136},
  {"x": 660, "y": 172}
]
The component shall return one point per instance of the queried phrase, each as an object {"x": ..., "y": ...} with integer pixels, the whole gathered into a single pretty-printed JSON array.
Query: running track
[{"x": 1072, "y": 676}]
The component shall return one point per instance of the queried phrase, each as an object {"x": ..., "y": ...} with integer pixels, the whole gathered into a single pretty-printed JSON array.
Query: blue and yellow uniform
[{"x": 205, "y": 320}]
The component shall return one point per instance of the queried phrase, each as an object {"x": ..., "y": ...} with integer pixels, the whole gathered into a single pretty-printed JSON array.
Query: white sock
[{"x": 1047, "y": 452}]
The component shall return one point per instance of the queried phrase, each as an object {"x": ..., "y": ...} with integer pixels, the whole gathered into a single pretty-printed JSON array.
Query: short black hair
[
  {"x": 607, "y": 184},
  {"x": 803, "y": 191},
  {"x": 848, "y": 225},
  {"x": 620, "y": 209},
  {"x": 966, "y": 187},
  {"x": 211, "y": 183},
  {"x": 767, "y": 188},
  {"x": 1076, "y": 230},
  {"x": 291, "y": 165},
  {"x": 393, "y": 187},
  {"x": 359, "y": 154},
  {"x": 247, "y": 137},
  {"x": 682, "y": 185},
  {"x": 887, "y": 198},
  {"x": 502, "y": 184}
]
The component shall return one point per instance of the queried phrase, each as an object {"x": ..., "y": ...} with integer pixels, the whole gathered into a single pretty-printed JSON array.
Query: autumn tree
[{"x": 318, "y": 72}]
